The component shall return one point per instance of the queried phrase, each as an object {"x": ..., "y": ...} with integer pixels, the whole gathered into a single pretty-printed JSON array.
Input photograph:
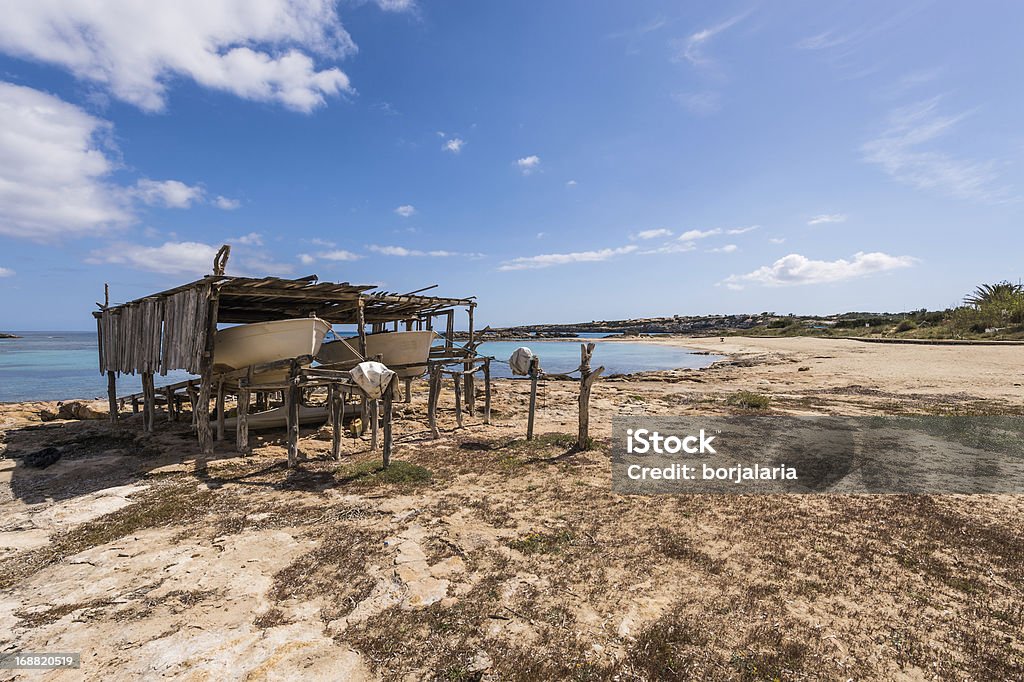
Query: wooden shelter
[{"x": 175, "y": 329}]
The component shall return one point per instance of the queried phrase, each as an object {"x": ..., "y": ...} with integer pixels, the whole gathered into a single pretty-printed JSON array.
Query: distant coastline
[{"x": 8, "y": 336}]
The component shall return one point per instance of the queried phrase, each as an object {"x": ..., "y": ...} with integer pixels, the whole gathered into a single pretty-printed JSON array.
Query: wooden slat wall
[{"x": 155, "y": 335}]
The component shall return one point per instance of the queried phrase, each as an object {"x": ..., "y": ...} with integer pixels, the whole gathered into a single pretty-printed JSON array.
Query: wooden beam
[
  {"x": 587, "y": 379},
  {"x": 487, "y": 391},
  {"x": 458, "y": 400},
  {"x": 202, "y": 409},
  {"x": 389, "y": 399},
  {"x": 291, "y": 401},
  {"x": 220, "y": 410},
  {"x": 337, "y": 421},
  {"x": 149, "y": 403},
  {"x": 242, "y": 418},
  {"x": 432, "y": 398},
  {"x": 112, "y": 396},
  {"x": 534, "y": 374}
]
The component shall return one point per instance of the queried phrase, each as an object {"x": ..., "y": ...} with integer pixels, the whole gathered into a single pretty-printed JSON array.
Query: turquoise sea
[{"x": 64, "y": 365}]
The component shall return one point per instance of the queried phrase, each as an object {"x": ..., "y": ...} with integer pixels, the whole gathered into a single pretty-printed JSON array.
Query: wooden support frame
[
  {"x": 534, "y": 376},
  {"x": 388, "y": 400},
  {"x": 149, "y": 403},
  {"x": 112, "y": 396},
  {"x": 432, "y": 398},
  {"x": 202, "y": 409},
  {"x": 242, "y": 420},
  {"x": 220, "y": 409},
  {"x": 587, "y": 379}
]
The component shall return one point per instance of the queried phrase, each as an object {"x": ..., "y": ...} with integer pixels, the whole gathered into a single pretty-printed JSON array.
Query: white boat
[
  {"x": 277, "y": 418},
  {"x": 397, "y": 348},
  {"x": 254, "y": 344}
]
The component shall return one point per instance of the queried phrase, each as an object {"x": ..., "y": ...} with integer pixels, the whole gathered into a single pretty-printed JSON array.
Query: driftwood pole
[
  {"x": 587, "y": 379},
  {"x": 169, "y": 396},
  {"x": 375, "y": 413},
  {"x": 408, "y": 390},
  {"x": 389, "y": 399},
  {"x": 534, "y": 374},
  {"x": 468, "y": 376},
  {"x": 487, "y": 391},
  {"x": 202, "y": 411},
  {"x": 337, "y": 420},
  {"x": 112, "y": 395},
  {"x": 291, "y": 401},
  {"x": 148, "y": 400},
  {"x": 432, "y": 398},
  {"x": 242, "y": 419},
  {"x": 220, "y": 410},
  {"x": 456, "y": 379}
]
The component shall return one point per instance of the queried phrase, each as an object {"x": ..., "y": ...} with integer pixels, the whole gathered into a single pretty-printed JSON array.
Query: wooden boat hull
[
  {"x": 277, "y": 418},
  {"x": 397, "y": 348},
  {"x": 254, "y": 344}
]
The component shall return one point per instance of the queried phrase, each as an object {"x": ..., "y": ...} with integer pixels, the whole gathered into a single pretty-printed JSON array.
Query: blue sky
[{"x": 562, "y": 161}]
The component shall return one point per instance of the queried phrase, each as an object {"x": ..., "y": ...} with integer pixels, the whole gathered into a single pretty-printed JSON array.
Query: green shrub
[{"x": 748, "y": 400}]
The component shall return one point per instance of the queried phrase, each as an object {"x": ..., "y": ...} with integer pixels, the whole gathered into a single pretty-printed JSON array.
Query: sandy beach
[{"x": 483, "y": 556}]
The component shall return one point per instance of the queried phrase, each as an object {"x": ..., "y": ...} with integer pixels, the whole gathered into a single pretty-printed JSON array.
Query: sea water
[{"x": 65, "y": 365}]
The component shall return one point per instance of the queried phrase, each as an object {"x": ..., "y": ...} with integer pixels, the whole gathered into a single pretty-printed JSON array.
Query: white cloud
[
  {"x": 53, "y": 170},
  {"x": 255, "y": 49},
  {"x": 339, "y": 255},
  {"x": 184, "y": 258},
  {"x": 777, "y": 240},
  {"x": 251, "y": 239},
  {"x": 306, "y": 259},
  {"x": 404, "y": 252},
  {"x": 670, "y": 247},
  {"x": 6, "y": 272},
  {"x": 396, "y": 5},
  {"x": 728, "y": 248},
  {"x": 167, "y": 193},
  {"x": 796, "y": 269},
  {"x": 528, "y": 164},
  {"x": 322, "y": 242},
  {"x": 691, "y": 235},
  {"x": 226, "y": 204},
  {"x": 405, "y": 210},
  {"x": 899, "y": 152},
  {"x": 541, "y": 235},
  {"x": 827, "y": 218},
  {"x": 454, "y": 145},
  {"x": 170, "y": 258},
  {"x": 822, "y": 41},
  {"x": 571, "y": 183},
  {"x": 702, "y": 103},
  {"x": 548, "y": 259},
  {"x": 653, "y": 234},
  {"x": 692, "y": 49},
  {"x": 742, "y": 230}
]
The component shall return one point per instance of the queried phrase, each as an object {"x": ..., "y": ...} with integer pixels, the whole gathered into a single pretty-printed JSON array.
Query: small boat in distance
[
  {"x": 397, "y": 348},
  {"x": 261, "y": 342}
]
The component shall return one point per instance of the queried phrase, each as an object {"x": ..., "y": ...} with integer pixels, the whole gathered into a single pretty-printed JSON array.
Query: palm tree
[{"x": 990, "y": 293}]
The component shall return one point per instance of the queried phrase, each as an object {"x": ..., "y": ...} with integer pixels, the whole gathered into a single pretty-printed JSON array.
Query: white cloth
[
  {"x": 372, "y": 377},
  {"x": 519, "y": 361}
]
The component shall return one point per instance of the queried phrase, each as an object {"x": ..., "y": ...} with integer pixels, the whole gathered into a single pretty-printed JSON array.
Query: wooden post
[
  {"x": 193, "y": 398},
  {"x": 432, "y": 397},
  {"x": 587, "y": 379},
  {"x": 220, "y": 410},
  {"x": 242, "y": 418},
  {"x": 408, "y": 390},
  {"x": 291, "y": 401},
  {"x": 135, "y": 404},
  {"x": 389, "y": 399},
  {"x": 467, "y": 378},
  {"x": 361, "y": 322},
  {"x": 534, "y": 374},
  {"x": 487, "y": 391},
  {"x": 202, "y": 411},
  {"x": 337, "y": 420},
  {"x": 112, "y": 396},
  {"x": 456, "y": 379},
  {"x": 169, "y": 396},
  {"x": 149, "y": 402},
  {"x": 374, "y": 419}
]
